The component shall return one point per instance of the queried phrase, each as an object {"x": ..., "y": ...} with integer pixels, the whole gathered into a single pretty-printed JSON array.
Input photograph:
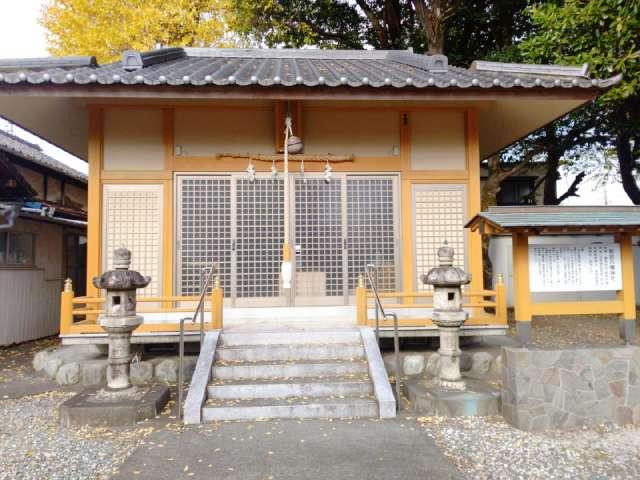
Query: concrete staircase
[{"x": 290, "y": 374}]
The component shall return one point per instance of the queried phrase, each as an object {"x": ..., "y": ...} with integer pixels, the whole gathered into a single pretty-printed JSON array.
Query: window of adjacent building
[
  {"x": 517, "y": 191},
  {"x": 17, "y": 249}
]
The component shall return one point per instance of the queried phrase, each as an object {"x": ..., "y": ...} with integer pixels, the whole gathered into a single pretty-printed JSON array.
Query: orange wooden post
[
  {"x": 66, "y": 307},
  {"x": 217, "y": 298},
  {"x": 522, "y": 294},
  {"x": 628, "y": 292},
  {"x": 501, "y": 300},
  {"x": 361, "y": 302}
]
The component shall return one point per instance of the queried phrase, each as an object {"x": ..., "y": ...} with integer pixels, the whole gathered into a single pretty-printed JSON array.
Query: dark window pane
[
  {"x": 3, "y": 247},
  {"x": 20, "y": 249}
]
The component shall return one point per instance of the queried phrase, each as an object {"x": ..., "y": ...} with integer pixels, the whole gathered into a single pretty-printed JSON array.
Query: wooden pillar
[
  {"x": 217, "y": 299},
  {"x": 361, "y": 302},
  {"x": 474, "y": 247},
  {"x": 167, "y": 220},
  {"x": 628, "y": 293},
  {"x": 521, "y": 291},
  {"x": 501, "y": 300},
  {"x": 406, "y": 207},
  {"x": 94, "y": 200},
  {"x": 66, "y": 307}
]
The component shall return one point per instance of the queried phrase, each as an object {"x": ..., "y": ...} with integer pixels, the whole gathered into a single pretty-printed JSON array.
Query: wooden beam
[
  {"x": 472, "y": 149},
  {"x": 521, "y": 292},
  {"x": 94, "y": 196},
  {"x": 227, "y": 164},
  {"x": 628, "y": 293},
  {"x": 136, "y": 175},
  {"x": 578, "y": 308},
  {"x": 408, "y": 236},
  {"x": 405, "y": 141},
  {"x": 279, "y": 157},
  {"x": 168, "y": 137},
  {"x": 168, "y": 144}
]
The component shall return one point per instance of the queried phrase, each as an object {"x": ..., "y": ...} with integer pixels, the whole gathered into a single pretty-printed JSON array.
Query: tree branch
[{"x": 572, "y": 191}]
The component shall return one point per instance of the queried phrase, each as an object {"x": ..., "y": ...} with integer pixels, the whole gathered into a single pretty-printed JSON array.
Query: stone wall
[{"x": 547, "y": 388}]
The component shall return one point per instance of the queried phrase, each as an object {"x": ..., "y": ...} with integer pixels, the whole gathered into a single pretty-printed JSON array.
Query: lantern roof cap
[{"x": 121, "y": 278}]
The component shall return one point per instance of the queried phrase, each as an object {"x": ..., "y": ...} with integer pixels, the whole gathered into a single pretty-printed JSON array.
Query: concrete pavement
[{"x": 291, "y": 449}]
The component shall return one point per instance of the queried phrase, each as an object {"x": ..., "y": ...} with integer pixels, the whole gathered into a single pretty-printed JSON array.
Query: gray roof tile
[
  {"x": 559, "y": 216},
  {"x": 308, "y": 67}
]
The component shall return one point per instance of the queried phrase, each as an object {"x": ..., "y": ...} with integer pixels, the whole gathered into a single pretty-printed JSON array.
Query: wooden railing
[
  {"x": 78, "y": 315},
  {"x": 477, "y": 302}
]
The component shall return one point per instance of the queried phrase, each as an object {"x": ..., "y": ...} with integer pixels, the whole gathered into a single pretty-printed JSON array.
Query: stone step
[
  {"x": 260, "y": 353},
  {"x": 318, "y": 368},
  {"x": 323, "y": 337},
  {"x": 299, "y": 387},
  {"x": 271, "y": 408}
]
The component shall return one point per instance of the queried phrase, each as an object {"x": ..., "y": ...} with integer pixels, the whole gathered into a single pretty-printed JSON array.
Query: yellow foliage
[{"x": 104, "y": 28}]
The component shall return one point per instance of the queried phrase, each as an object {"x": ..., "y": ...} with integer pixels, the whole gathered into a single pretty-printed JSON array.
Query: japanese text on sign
[{"x": 574, "y": 268}]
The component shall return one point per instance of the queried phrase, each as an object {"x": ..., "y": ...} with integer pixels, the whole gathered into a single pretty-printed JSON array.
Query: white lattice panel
[
  {"x": 371, "y": 230},
  {"x": 439, "y": 215},
  {"x": 133, "y": 219}
]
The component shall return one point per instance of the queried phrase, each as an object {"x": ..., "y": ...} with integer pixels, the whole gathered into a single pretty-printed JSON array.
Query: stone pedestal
[
  {"x": 449, "y": 351},
  {"x": 427, "y": 397},
  {"x": 96, "y": 408}
]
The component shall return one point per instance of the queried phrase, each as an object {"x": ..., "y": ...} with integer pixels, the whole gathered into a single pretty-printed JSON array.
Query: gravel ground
[
  {"x": 15, "y": 360},
  {"x": 35, "y": 446},
  {"x": 488, "y": 448}
]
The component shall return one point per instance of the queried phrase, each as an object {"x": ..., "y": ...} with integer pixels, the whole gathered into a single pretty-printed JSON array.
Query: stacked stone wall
[{"x": 546, "y": 388}]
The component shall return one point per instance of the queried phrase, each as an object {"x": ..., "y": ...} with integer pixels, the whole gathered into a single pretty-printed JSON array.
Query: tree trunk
[
  {"x": 431, "y": 14},
  {"x": 550, "y": 193},
  {"x": 627, "y": 167},
  {"x": 489, "y": 198}
]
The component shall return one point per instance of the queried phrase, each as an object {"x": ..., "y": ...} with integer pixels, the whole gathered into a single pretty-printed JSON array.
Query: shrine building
[{"x": 188, "y": 170}]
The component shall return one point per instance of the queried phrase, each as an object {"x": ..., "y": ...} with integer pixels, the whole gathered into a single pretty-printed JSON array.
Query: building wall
[
  {"x": 30, "y": 296},
  {"x": 359, "y": 132},
  {"x": 437, "y": 141},
  {"x": 437, "y": 146}
]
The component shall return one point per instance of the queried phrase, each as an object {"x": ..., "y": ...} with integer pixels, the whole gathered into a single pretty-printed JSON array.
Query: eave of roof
[
  {"x": 310, "y": 68},
  {"x": 31, "y": 153},
  {"x": 557, "y": 219}
]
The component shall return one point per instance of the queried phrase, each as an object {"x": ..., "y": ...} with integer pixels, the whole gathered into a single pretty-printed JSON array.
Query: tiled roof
[
  {"x": 290, "y": 68},
  {"x": 30, "y": 152},
  {"x": 506, "y": 218}
]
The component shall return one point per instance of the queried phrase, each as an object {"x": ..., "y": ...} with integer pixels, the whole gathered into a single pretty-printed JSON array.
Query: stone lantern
[
  {"x": 448, "y": 315},
  {"x": 120, "y": 319}
]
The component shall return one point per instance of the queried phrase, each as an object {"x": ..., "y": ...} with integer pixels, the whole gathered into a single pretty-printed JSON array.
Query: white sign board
[{"x": 574, "y": 268}]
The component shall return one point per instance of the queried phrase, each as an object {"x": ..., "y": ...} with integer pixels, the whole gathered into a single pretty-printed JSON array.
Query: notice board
[{"x": 575, "y": 268}]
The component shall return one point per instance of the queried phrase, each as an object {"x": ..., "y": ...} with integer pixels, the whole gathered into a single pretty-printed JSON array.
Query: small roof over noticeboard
[{"x": 556, "y": 220}]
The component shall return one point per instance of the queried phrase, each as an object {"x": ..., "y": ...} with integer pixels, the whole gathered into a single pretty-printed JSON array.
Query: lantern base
[
  {"x": 91, "y": 407},
  {"x": 429, "y": 398}
]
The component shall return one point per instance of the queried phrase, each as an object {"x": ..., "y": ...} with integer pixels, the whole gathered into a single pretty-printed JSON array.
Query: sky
[{"x": 22, "y": 36}]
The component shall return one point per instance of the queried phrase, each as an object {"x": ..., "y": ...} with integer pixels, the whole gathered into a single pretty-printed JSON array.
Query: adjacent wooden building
[{"x": 44, "y": 245}]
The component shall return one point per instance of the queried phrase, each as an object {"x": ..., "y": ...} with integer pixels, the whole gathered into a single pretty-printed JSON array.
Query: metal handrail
[
  {"x": 204, "y": 285},
  {"x": 396, "y": 340}
]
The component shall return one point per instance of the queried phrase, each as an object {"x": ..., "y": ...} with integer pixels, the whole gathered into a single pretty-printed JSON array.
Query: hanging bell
[
  {"x": 274, "y": 170},
  {"x": 295, "y": 145}
]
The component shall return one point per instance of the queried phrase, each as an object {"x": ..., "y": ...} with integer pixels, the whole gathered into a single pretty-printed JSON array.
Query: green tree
[
  {"x": 104, "y": 28},
  {"x": 464, "y": 30},
  {"x": 605, "y": 34}
]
